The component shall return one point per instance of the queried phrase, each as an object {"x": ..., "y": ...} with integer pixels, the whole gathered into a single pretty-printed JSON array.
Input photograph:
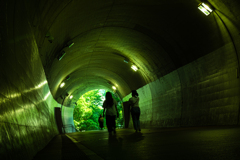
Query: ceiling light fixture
[
  {"x": 62, "y": 85},
  {"x": 114, "y": 87},
  {"x": 61, "y": 55},
  {"x": 70, "y": 44},
  {"x": 71, "y": 97},
  {"x": 49, "y": 37},
  {"x": 205, "y": 8},
  {"x": 68, "y": 77},
  {"x": 126, "y": 60},
  {"x": 134, "y": 67}
]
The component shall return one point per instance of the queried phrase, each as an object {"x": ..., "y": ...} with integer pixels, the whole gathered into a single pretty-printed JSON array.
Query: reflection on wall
[{"x": 27, "y": 121}]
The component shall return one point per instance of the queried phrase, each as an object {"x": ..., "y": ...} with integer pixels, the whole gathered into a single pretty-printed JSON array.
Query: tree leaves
[{"x": 89, "y": 108}]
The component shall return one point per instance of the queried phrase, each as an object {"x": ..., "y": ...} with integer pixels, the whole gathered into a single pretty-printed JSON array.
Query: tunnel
[{"x": 187, "y": 63}]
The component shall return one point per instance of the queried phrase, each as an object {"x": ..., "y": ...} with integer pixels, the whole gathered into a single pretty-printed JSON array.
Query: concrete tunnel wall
[
  {"x": 27, "y": 120},
  {"x": 203, "y": 92}
]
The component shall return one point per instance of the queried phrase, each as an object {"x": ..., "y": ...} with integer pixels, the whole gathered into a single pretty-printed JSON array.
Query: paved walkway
[{"x": 196, "y": 143}]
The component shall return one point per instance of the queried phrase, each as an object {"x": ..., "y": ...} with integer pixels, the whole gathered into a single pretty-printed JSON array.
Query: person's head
[
  {"x": 109, "y": 99},
  {"x": 134, "y": 93},
  {"x": 108, "y": 96}
]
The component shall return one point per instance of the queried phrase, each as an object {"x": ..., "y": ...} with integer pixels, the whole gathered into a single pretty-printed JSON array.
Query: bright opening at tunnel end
[{"x": 89, "y": 108}]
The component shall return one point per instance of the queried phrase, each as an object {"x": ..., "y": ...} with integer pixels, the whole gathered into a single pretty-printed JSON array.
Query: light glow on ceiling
[
  {"x": 134, "y": 67},
  {"x": 62, "y": 85},
  {"x": 114, "y": 87},
  {"x": 71, "y": 97}
]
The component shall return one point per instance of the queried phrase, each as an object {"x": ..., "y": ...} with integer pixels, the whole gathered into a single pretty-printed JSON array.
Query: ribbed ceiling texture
[{"x": 157, "y": 36}]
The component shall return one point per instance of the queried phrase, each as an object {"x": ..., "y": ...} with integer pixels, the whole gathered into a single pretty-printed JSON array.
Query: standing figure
[
  {"x": 110, "y": 105},
  {"x": 135, "y": 110},
  {"x": 100, "y": 121}
]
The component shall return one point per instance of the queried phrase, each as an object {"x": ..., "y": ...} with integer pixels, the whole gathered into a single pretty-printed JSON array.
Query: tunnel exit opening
[{"x": 89, "y": 108}]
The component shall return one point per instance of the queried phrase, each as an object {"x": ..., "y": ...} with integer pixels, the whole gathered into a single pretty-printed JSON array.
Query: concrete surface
[
  {"x": 157, "y": 36},
  {"x": 188, "y": 63},
  {"x": 209, "y": 95},
  {"x": 198, "y": 143},
  {"x": 27, "y": 120}
]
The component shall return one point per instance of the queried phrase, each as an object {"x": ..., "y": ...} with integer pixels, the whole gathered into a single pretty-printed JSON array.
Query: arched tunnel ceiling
[{"x": 158, "y": 36}]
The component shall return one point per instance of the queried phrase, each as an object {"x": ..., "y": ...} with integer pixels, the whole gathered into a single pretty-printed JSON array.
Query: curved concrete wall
[
  {"x": 204, "y": 92},
  {"x": 27, "y": 120}
]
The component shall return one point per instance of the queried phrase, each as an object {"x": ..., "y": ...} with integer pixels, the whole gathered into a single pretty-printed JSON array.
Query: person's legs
[
  {"x": 137, "y": 118},
  {"x": 101, "y": 125},
  {"x": 108, "y": 121},
  {"x": 114, "y": 123},
  {"x": 111, "y": 123},
  {"x": 134, "y": 118}
]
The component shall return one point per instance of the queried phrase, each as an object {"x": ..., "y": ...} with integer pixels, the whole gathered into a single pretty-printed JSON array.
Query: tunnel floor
[{"x": 173, "y": 143}]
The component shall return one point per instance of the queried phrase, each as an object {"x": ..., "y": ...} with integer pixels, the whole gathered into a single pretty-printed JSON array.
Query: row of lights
[
  {"x": 202, "y": 7},
  {"x": 63, "y": 53},
  {"x": 63, "y": 84},
  {"x": 133, "y": 66},
  {"x": 206, "y": 9},
  {"x": 60, "y": 57}
]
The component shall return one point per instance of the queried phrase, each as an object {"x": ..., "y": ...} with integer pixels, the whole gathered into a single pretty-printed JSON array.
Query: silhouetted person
[
  {"x": 110, "y": 105},
  {"x": 135, "y": 110},
  {"x": 100, "y": 121}
]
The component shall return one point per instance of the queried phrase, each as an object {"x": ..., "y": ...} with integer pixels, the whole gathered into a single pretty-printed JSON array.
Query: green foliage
[
  {"x": 119, "y": 107},
  {"x": 87, "y": 111},
  {"x": 89, "y": 108}
]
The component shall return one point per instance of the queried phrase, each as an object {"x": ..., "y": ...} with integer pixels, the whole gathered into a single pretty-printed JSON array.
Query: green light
[
  {"x": 61, "y": 55},
  {"x": 70, "y": 44}
]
